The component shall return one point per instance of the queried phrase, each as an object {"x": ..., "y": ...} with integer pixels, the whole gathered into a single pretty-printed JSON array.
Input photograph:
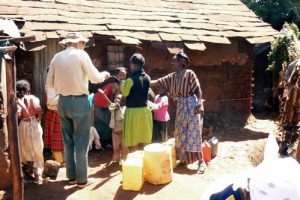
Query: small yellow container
[
  {"x": 136, "y": 154},
  {"x": 133, "y": 174},
  {"x": 171, "y": 144},
  {"x": 157, "y": 163}
]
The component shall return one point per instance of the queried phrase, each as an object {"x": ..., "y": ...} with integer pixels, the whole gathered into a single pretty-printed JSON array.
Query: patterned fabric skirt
[
  {"x": 188, "y": 127},
  {"x": 52, "y": 134},
  {"x": 31, "y": 142}
]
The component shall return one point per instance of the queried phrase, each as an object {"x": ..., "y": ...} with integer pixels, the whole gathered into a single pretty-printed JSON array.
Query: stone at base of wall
[
  {"x": 5, "y": 171},
  {"x": 51, "y": 168}
]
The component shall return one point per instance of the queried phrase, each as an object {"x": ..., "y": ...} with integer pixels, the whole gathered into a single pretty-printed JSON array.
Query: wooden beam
[
  {"x": 8, "y": 49},
  {"x": 19, "y": 39},
  {"x": 12, "y": 125}
]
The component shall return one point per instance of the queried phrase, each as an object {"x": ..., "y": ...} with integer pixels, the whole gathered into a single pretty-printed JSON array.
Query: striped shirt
[{"x": 184, "y": 84}]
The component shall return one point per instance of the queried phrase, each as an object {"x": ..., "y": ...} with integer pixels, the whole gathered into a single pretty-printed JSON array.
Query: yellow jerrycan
[
  {"x": 157, "y": 163},
  {"x": 171, "y": 144},
  {"x": 133, "y": 174},
  {"x": 136, "y": 154}
]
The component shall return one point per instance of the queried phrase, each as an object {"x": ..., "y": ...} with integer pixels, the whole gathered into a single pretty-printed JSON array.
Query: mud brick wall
[
  {"x": 224, "y": 71},
  {"x": 225, "y": 74}
]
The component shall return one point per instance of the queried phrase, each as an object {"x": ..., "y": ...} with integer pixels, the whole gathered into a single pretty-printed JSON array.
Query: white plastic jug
[{"x": 157, "y": 163}]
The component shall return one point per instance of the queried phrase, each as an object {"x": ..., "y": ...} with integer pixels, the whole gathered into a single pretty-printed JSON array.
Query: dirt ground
[{"x": 239, "y": 149}]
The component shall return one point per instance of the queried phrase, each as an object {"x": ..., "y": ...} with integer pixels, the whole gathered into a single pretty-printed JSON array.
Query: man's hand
[
  {"x": 118, "y": 99},
  {"x": 106, "y": 74}
]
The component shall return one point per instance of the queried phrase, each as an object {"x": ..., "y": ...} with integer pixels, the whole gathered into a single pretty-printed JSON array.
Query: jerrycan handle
[{"x": 206, "y": 143}]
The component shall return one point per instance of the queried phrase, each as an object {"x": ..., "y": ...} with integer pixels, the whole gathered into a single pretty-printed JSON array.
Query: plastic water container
[
  {"x": 214, "y": 146},
  {"x": 136, "y": 154},
  {"x": 206, "y": 151},
  {"x": 133, "y": 174},
  {"x": 157, "y": 163},
  {"x": 171, "y": 144}
]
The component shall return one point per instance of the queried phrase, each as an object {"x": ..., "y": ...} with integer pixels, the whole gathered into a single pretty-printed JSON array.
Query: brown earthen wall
[
  {"x": 99, "y": 51},
  {"x": 224, "y": 71}
]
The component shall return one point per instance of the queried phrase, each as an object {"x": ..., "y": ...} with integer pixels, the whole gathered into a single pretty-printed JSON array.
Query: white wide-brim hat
[
  {"x": 73, "y": 37},
  {"x": 277, "y": 179}
]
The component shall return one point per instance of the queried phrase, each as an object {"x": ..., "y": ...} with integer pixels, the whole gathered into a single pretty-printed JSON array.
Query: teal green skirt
[{"x": 137, "y": 127}]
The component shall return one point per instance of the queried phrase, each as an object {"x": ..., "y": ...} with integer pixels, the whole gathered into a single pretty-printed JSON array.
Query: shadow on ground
[
  {"x": 238, "y": 135},
  {"x": 147, "y": 189},
  {"x": 266, "y": 115},
  {"x": 109, "y": 171},
  {"x": 258, "y": 127},
  {"x": 185, "y": 181},
  {"x": 59, "y": 190},
  {"x": 98, "y": 157}
]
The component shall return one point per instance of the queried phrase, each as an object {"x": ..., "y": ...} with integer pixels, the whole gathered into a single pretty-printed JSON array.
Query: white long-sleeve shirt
[{"x": 69, "y": 72}]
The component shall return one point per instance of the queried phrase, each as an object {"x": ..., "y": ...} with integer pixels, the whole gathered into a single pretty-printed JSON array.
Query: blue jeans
[{"x": 74, "y": 114}]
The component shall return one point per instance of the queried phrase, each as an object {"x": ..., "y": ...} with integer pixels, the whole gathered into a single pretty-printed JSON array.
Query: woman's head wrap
[{"x": 183, "y": 59}]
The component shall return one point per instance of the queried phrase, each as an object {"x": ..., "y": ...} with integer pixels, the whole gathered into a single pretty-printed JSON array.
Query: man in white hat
[{"x": 69, "y": 73}]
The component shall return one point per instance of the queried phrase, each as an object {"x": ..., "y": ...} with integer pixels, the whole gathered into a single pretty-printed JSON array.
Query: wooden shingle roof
[{"x": 131, "y": 21}]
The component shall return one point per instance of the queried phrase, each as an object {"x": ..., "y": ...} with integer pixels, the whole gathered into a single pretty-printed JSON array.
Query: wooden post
[
  {"x": 298, "y": 149},
  {"x": 12, "y": 125}
]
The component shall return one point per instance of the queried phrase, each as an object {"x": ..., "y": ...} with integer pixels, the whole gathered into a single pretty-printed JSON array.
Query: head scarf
[{"x": 183, "y": 59}]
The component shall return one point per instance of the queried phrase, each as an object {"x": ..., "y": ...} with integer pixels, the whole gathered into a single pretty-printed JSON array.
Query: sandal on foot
[
  {"x": 38, "y": 181},
  {"x": 72, "y": 181},
  {"x": 201, "y": 168}
]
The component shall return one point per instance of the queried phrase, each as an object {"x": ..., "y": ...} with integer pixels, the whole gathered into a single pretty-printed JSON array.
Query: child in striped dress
[{"x": 30, "y": 130}]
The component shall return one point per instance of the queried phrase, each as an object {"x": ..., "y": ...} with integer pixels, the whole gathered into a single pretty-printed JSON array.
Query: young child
[
  {"x": 52, "y": 134},
  {"x": 117, "y": 116},
  {"x": 30, "y": 130},
  {"x": 161, "y": 117},
  {"x": 117, "y": 110}
]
